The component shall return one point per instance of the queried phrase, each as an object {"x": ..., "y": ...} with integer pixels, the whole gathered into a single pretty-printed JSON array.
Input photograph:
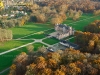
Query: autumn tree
[
  {"x": 5, "y": 35},
  {"x": 41, "y": 18},
  {"x": 56, "y": 21}
]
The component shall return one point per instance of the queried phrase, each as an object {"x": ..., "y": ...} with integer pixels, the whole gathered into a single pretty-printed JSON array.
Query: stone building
[{"x": 63, "y": 31}]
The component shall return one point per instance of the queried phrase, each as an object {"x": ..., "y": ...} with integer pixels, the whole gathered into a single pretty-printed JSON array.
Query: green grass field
[
  {"x": 7, "y": 59},
  {"x": 13, "y": 44},
  {"x": 40, "y": 35},
  {"x": 51, "y": 41},
  {"x": 72, "y": 40},
  {"x": 35, "y": 36},
  {"x": 29, "y": 28}
]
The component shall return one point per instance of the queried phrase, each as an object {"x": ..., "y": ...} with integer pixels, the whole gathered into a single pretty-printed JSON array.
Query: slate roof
[
  {"x": 70, "y": 43},
  {"x": 64, "y": 25}
]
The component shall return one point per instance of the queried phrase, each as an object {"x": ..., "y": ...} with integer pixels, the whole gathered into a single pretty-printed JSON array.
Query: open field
[
  {"x": 36, "y": 36},
  {"x": 31, "y": 28},
  {"x": 12, "y": 44},
  {"x": 7, "y": 59},
  {"x": 39, "y": 35}
]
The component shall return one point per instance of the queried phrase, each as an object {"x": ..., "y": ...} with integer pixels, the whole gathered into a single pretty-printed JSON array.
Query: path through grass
[{"x": 12, "y": 44}]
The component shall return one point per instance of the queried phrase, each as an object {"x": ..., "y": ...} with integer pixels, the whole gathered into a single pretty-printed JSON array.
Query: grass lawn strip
[{"x": 51, "y": 41}]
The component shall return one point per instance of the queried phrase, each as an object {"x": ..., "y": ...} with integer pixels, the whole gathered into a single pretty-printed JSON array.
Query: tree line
[
  {"x": 13, "y": 22},
  {"x": 88, "y": 42},
  {"x": 66, "y": 62}
]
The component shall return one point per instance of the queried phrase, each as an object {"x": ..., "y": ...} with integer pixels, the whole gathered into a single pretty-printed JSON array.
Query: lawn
[
  {"x": 35, "y": 36},
  {"x": 39, "y": 35},
  {"x": 72, "y": 40},
  {"x": 13, "y": 44},
  {"x": 7, "y": 59},
  {"x": 82, "y": 23},
  {"x": 29, "y": 28},
  {"x": 51, "y": 41}
]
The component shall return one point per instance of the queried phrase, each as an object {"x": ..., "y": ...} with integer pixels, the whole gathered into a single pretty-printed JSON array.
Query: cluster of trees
[
  {"x": 86, "y": 6},
  {"x": 58, "y": 18},
  {"x": 66, "y": 62},
  {"x": 96, "y": 12},
  {"x": 94, "y": 27},
  {"x": 13, "y": 22},
  {"x": 5, "y": 35},
  {"x": 75, "y": 15},
  {"x": 55, "y": 14},
  {"x": 89, "y": 42},
  {"x": 83, "y": 5}
]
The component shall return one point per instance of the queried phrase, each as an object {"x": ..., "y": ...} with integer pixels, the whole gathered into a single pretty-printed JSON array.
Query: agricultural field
[{"x": 31, "y": 28}]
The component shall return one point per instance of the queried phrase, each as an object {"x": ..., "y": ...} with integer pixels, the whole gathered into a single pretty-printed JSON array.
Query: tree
[
  {"x": 56, "y": 21},
  {"x": 5, "y": 35},
  {"x": 58, "y": 72},
  {"x": 73, "y": 69},
  {"x": 30, "y": 48},
  {"x": 41, "y": 18},
  {"x": 42, "y": 49}
]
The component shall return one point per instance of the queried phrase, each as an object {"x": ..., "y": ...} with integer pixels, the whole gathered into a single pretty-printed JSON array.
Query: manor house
[{"x": 63, "y": 31}]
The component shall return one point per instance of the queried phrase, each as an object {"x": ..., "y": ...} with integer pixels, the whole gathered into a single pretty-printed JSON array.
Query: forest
[{"x": 67, "y": 62}]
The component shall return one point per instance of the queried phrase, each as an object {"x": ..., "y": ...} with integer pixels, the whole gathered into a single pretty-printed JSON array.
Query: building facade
[{"x": 63, "y": 31}]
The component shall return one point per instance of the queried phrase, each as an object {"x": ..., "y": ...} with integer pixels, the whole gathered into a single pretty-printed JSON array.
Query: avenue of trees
[
  {"x": 5, "y": 35},
  {"x": 66, "y": 62}
]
